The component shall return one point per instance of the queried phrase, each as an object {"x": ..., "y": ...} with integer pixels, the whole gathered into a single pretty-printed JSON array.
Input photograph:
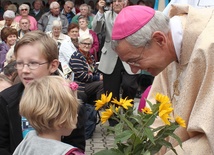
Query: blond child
[{"x": 50, "y": 105}]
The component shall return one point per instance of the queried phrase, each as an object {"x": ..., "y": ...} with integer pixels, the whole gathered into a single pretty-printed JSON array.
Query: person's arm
[
  {"x": 66, "y": 49},
  {"x": 40, "y": 23},
  {"x": 64, "y": 24},
  {"x": 95, "y": 46},
  {"x": 98, "y": 19}
]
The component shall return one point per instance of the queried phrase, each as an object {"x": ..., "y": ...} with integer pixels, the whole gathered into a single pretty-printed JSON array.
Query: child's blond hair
[{"x": 49, "y": 103}]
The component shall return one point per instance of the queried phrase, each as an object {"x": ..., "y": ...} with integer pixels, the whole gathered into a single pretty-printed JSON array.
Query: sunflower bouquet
[{"x": 134, "y": 134}]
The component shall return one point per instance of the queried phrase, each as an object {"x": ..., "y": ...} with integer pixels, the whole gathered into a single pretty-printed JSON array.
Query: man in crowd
[
  {"x": 37, "y": 10},
  {"x": 84, "y": 11},
  {"x": 68, "y": 6},
  {"x": 45, "y": 22},
  {"x": 24, "y": 25},
  {"x": 179, "y": 52}
]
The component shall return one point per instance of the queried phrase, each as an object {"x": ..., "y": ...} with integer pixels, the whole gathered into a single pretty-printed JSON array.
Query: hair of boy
[
  {"x": 46, "y": 44},
  {"x": 6, "y": 31},
  {"x": 49, "y": 103}
]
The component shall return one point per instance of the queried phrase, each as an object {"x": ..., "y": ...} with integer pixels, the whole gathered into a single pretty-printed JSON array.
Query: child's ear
[
  {"x": 54, "y": 65},
  {"x": 58, "y": 127}
]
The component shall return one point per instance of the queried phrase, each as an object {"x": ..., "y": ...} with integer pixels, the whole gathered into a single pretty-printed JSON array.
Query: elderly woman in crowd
[
  {"x": 9, "y": 37},
  {"x": 73, "y": 33},
  {"x": 68, "y": 47},
  {"x": 56, "y": 33},
  {"x": 9, "y": 20},
  {"x": 83, "y": 24},
  {"x": 85, "y": 70},
  {"x": 24, "y": 12}
]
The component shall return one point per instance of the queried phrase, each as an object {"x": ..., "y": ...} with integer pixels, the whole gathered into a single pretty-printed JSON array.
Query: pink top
[
  {"x": 33, "y": 22},
  {"x": 74, "y": 151},
  {"x": 144, "y": 96}
]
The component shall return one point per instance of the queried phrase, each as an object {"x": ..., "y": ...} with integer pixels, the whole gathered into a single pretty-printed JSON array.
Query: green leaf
[
  {"x": 176, "y": 138},
  {"x": 154, "y": 107},
  {"x": 109, "y": 152},
  {"x": 158, "y": 128},
  {"x": 125, "y": 135},
  {"x": 149, "y": 120},
  {"x": 155, "y": 148},
  {"x": 147, "y": 153},
  {"x": 121, "y": 146},
  {"x": 139, "y": 150},
  {"x": 148, "y": 133},
  {"x": 129, "y": 124},
  {"x": 168, "y": 145},
  {"x": 128, "y": 150}
]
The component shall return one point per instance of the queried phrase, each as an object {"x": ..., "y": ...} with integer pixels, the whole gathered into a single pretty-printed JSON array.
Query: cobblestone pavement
[{"x": 100, "y": 139}]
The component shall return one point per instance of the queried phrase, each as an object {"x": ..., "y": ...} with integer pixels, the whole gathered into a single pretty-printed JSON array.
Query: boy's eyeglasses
[{"x": 31, "y": 65}]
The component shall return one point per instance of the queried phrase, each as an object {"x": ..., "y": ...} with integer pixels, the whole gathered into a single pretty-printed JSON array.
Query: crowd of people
[{"x": 44, "y": 48}]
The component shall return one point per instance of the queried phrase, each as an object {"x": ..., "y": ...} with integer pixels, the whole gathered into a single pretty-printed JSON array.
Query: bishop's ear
[{"x": 159, "y": 37}]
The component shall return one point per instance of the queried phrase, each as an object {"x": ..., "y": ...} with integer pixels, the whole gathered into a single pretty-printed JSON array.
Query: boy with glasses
[{"x": 36, "y": 56}]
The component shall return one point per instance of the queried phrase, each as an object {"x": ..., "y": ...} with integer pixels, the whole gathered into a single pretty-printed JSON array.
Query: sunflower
[
  {"x": 162, "y": 98},
  {"x": 105, "y": 115},
  {"x": 147, "y": 110},
  {"x": 180, "y": 121},
  {"x": 104, "y": 99},
  {"x": 164, "y": 110},
  {"x": 123, "y": 102}
]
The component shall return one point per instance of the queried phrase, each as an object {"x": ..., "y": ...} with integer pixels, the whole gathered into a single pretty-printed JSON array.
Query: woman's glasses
[
  {"x": 24, "y": 9},
  {"x": 86, "y": 44}
]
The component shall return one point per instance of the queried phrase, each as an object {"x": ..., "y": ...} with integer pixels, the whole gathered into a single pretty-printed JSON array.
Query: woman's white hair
[
  {"x": 84, "y": 37},
  {"x": 9, "y": 14},
  {"x": 57, "y": 23},
  {"x": 53, "y": 4},
  {"x": 23, "y": 6}
]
